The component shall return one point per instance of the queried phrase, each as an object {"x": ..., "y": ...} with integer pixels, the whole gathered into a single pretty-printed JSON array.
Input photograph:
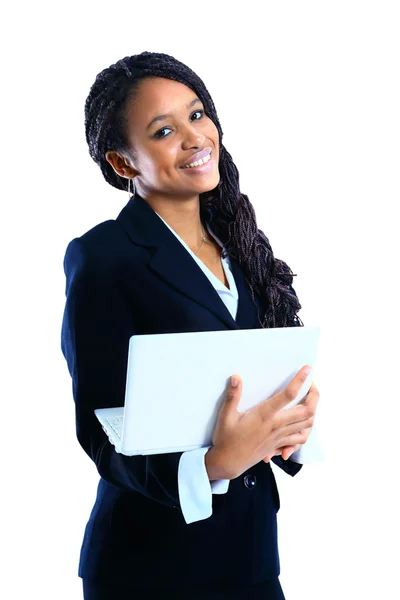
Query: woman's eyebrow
[{"x": 161, "y": 117}]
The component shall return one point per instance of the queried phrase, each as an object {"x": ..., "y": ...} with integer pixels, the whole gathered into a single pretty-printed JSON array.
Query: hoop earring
[{"x": 133, "y": 188}]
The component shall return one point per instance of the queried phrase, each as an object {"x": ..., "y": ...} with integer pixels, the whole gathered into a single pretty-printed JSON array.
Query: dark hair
[{"x": 229, "y": 212}]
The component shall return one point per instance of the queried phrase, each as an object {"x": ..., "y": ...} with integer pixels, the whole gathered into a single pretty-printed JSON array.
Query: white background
[{"x": 308, "y": 98}]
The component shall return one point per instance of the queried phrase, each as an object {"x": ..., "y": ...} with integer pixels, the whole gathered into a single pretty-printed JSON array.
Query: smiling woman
[
  {"x": 125, "y": 142},
  {"x": 158, "y": 158},
  {"x": 185, "y": 254}
]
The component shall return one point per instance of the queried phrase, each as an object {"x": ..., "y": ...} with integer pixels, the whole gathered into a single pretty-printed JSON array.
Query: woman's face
[{"x": 160, "y": 148}]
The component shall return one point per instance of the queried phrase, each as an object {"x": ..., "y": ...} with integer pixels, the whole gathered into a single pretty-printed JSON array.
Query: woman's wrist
[{"x": 214, "y": 467}]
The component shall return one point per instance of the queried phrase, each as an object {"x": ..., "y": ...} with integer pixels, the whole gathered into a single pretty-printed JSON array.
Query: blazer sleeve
[
  {"x": 97, "y": 323},
  {"x": 289, "y": 466}
]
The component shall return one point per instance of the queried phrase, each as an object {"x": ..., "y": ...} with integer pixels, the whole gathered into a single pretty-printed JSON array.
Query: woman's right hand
[{"x": 242, "y": 439}]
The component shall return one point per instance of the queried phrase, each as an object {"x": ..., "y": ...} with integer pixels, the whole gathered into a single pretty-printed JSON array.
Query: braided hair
[{"x": 229, "y": 212}]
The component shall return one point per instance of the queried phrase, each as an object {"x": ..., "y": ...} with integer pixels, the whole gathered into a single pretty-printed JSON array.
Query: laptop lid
[{"x": 176, "y": 382}]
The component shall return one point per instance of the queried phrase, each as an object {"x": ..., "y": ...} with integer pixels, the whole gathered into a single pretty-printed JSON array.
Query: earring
[{"x": 133, "y": 187}]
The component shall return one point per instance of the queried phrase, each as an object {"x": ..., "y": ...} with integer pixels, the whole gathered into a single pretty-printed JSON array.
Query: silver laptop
[{"x": 176, "y": 383}]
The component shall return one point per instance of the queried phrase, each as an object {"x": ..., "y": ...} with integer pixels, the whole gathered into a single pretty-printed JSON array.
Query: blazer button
[{"x": 250, "y": 481}]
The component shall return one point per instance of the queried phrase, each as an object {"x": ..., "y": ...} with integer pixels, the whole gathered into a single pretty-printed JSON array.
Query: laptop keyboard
[{"x": 116, "y": 424}]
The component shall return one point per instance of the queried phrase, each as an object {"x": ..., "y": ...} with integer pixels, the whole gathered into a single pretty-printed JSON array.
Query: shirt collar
[{"x": 208, "y": 229}]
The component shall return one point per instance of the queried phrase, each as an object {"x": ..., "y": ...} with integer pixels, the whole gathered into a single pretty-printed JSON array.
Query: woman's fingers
[
  {"x": 287, "y": 451},
  {"x": 294, "y": 428}
]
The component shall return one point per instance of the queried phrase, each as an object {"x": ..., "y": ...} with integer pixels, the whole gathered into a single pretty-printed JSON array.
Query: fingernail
[
  {"x": 307, "y": 370},
  {"x": 234, "y": 381}
]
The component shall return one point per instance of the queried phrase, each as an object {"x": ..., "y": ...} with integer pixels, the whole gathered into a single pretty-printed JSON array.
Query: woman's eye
[
  {"x": 159, "y": 132},
  {"x": 198, "y": 111}
]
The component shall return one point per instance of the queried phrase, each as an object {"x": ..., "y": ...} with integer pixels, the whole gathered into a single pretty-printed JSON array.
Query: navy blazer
[{"x": 132, "y": 276}]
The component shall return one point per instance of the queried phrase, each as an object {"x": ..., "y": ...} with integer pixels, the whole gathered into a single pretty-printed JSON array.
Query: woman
[{"x": 184, "y": 254}]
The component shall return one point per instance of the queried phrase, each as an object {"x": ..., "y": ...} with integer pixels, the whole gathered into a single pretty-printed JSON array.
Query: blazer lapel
[
  {"x": 171, "y": 261},
  {"x": 248, "y": 310}
]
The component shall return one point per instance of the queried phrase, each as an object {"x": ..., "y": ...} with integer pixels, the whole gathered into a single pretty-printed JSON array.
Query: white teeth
[{"x": 202, "y": 161}]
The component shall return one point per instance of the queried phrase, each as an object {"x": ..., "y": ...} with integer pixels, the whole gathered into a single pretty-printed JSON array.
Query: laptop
[{"x": 176, "y": 383}]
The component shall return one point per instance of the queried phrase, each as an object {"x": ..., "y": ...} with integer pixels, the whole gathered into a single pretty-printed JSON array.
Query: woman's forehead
[{"x": 158, "y": 96}]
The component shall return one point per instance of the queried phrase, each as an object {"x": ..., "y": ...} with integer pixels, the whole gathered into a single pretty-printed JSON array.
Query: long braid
[{"x": 229, "y": 212}]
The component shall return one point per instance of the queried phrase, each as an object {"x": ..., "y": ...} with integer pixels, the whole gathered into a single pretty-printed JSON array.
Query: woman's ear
[{"x": 120, "y": 164}]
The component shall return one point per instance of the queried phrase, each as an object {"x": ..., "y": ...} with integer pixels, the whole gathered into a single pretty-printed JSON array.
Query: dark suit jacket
[{"x": 132, "y": 276}]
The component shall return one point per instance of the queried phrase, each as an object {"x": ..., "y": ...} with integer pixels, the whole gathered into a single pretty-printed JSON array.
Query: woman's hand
[
  {"x": 242, "y": 439},
  {"x": 285, "y": 452},
  {"x": 313, "y": 397}
]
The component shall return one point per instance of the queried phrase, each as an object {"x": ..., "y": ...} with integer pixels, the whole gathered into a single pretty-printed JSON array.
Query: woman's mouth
[{"x": 204, "y": 165}]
